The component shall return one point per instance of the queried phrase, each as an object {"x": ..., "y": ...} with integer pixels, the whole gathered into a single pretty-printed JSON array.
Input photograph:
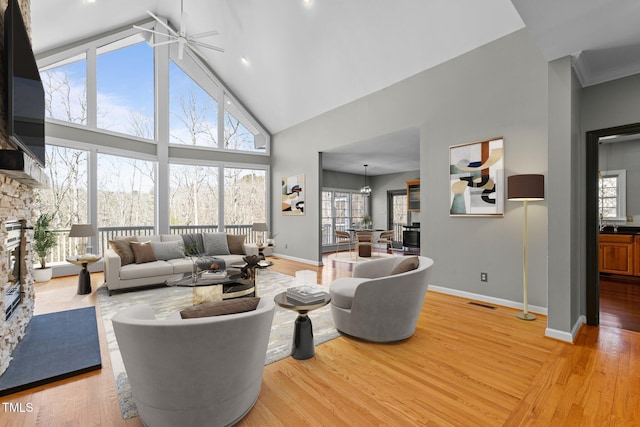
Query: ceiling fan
[{"x": 181, "y": 37}]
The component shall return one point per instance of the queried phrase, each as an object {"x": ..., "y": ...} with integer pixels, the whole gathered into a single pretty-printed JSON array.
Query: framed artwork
[
  {"x": 476, "y": 178},
  {"x": 293, "y": 195}
]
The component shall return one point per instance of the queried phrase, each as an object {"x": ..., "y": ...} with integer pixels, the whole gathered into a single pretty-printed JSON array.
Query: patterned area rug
[{"x": 167, "y": 300}]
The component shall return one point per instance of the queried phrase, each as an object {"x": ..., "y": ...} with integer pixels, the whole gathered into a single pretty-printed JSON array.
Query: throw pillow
[
  {"x": 143, "y": 252},
  {"x": 122, "y": 247},
  {"x": 215, "y": 243},
  {"x": 407, "y": 264},
  {"x": 236, "y": 243},
  {"x": 193, "y": 244},
  {"x": 219, "y": 308},
  {"x": 168, "y": 250}
]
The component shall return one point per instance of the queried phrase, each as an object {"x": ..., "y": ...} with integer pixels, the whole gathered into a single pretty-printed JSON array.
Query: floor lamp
[{"x": 525, "y": 188}]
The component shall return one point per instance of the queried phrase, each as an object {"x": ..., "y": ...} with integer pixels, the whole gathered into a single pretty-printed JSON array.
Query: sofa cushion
[
  {"x": 342, "y": 291},
  {"x": 143, "y": 252},
  {"x": 218, "y": 308},
  {"x": 168, "y": 250},
  {"x": 181, "y": 265},
  {"x": 215, "y": 243},
  {"x": 236, "y": 243},
  {"x": 148, "y": 269},
  {"x": 407, "y": 264},
  {"x": 122, "y": 247}
]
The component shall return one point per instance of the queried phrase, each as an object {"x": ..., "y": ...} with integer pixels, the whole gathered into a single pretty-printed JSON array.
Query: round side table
[
  {"x": 303, "y": 346},
  {"x": 84, "y": 278}
]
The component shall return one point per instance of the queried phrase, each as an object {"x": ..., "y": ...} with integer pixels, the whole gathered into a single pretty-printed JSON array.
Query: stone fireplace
[{"x": 16, "y": 204}]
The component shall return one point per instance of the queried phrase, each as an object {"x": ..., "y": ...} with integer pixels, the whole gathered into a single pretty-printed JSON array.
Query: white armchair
[
  {"x": 194, "y": 372},
  {"x": 377, "y": 306}
]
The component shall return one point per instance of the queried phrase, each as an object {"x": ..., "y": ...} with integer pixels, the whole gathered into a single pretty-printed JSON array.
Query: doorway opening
[{"x": 612, "y": 235}]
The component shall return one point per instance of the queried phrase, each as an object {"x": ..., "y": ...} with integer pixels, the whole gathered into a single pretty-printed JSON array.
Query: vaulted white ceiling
[
  {"x": 303, "y": 59},
  {"x": 306, "y": 59}
]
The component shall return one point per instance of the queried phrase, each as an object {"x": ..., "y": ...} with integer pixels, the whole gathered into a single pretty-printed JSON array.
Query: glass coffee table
[
  {"x": 217, "y": 289},
  {"x": 303, "y": 346}
]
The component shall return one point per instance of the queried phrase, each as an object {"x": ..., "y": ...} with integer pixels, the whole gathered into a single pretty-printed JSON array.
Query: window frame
[
  {"x": 330, "y": 242},
  {"x": 191, "y": 64},
  {"x": 621, "y": 193}
]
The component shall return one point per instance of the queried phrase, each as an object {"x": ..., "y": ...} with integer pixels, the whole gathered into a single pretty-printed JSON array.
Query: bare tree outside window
[
  {"x": 193, "y": 195},
  {"x": 126, "y": 191},
  {"x": 244, "y": 196},
  {"x": 65, "y": 90},
  {"x": 66, "y": 199}
]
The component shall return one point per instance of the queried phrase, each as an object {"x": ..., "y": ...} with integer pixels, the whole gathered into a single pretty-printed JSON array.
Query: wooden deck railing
[{"x": 66, "y": 246}]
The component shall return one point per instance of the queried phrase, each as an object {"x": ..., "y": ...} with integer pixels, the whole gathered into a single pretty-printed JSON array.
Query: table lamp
[
  {"x": 261, "y": 227},
  {"x": 82, "y": 231},
  {"x": 525, "y": 188}
]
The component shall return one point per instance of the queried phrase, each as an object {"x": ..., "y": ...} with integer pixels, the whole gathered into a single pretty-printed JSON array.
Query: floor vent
[{"x": 482, "y": 305}]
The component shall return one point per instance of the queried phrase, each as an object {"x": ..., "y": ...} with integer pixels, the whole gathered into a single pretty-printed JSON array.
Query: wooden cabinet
[
  {"x": 636, "y": 255},
  {"x": 617, "y": 254},
  {"x": 413, "y": 195}
]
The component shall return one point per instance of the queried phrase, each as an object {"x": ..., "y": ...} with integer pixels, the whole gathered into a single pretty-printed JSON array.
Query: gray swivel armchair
[
  {"x": 194, "y": 372},
  {"x": 375, "y": 304}
]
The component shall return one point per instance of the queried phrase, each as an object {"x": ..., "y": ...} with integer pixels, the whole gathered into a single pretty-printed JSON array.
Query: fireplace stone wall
[{"x": 16, "y": 203}]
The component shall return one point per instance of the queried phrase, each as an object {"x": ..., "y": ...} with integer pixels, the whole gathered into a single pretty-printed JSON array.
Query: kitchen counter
[{"x": 621, "y": 230}]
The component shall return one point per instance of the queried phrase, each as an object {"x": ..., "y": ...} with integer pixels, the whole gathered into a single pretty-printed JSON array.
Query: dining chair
[
  {"x": 364, "y": 239},
  {"x": 386, "y": 238},
  {"x": 343, "y": 238}
]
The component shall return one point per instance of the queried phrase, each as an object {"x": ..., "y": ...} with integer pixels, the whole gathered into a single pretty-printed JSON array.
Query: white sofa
[
  {"x": 379, "y": 306},
  {"x": 119, "y": 277},
  {"x": 194, "y": 372}
]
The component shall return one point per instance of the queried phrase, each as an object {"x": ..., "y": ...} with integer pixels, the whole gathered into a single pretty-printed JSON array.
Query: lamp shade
[
  {"x": 525, "y": 187},
  {"x": 82, "y": 230},
  {"x": 259, "y": 226}
]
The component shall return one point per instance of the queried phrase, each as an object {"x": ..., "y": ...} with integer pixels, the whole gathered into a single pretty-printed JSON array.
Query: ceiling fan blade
[
  {"x": 164, "y": 43},
  {"x": 205, "y": 34},
  {"x": 153, "y": 31},
  {"x": 196, "y": 51},
  {"x": 171, "y": 30},
  {"x": 208, "y": 46}
]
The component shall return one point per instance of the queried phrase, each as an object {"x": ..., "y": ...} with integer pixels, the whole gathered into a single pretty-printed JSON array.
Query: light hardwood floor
[{"x": 465, "y": 366}]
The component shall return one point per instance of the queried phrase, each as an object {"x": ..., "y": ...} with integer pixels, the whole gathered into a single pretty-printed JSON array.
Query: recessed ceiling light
[
  {"x": 307, "y": 2},
  {"x": 244, "y": 60},
  {"x": 89, "y": 1}
]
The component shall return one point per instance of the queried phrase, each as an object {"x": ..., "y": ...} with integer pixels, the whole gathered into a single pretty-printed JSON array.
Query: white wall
[{"x": 499, "y": 89}]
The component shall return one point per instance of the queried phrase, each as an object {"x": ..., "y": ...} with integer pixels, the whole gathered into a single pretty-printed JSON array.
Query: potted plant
[
  {"x": 43, "y": 241},
  {"x": 367, "y": 222}
]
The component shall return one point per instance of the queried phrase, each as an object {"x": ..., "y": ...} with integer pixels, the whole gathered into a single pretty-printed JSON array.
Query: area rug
[
  {"x": 167, "y": 300},
  {"x": 350, "y": 257},
  {"x": 55, "y": 346}
]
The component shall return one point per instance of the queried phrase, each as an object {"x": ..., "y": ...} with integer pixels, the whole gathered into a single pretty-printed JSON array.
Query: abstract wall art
[
  {"x": 293, "y": 195},
  {"x": 476, "y": 178}
]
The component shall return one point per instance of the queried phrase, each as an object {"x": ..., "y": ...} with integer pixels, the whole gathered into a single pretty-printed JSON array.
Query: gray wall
[
  {"x": 380, "y": 185},
  {"x": 499, "y": 89},
  {"x": 346, "y": 181}
]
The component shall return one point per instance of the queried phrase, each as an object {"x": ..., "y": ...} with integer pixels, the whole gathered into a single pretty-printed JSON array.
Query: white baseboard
[
  {"x": 302, "y": 260},
  {"x": 566, "y": 336},
  {"x": 487, "y": 299}
]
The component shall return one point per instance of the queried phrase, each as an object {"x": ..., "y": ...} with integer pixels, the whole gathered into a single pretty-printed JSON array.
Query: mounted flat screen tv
[{"x": 24, "y": 90}]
